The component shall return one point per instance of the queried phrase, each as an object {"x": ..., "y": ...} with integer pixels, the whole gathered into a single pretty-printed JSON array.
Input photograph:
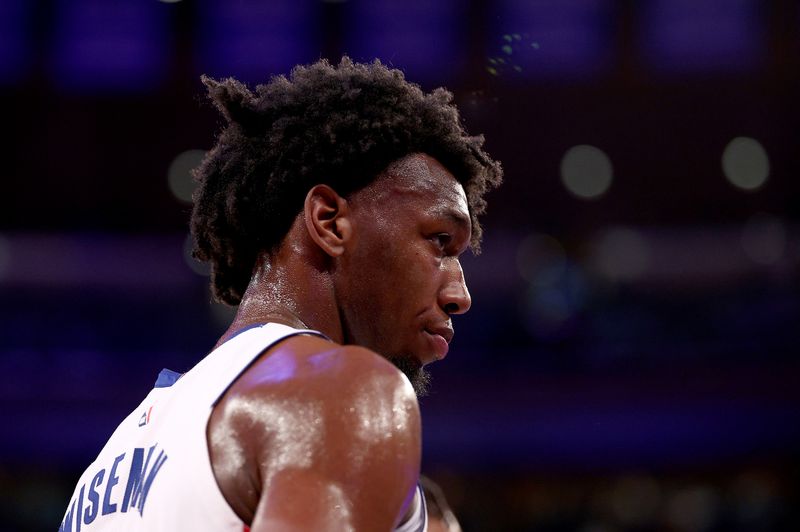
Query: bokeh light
[
  {"x": 179, "y": 176},
  {"x": 754, "y": 493},
  {"x": 620, "y": 254},
  {"x": 250, "y": 39},
  {"x": 690, "y": 36},
  {"x": 420, "y": 37},
  {"x": 586, "y": 171},
  {"x": 635, "y": 500},
  {"x": 693, "y": 508},
  {"x": 100, "y": 46},
  {"x": 745, "y": 163},
  {"x": 764, "y": 239},
  {"x": 15, "y": 45}
]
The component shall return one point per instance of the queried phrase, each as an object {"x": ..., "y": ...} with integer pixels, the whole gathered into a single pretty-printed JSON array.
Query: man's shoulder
[
  {"x": 339, "y": 400},
  {"x": 305, "y": 359},
  {"x": 318, "y": 373},
  {"x": 341, "y": 414}
]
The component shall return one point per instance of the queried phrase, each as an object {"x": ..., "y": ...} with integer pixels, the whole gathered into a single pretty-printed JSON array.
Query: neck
[{"x": 289, "y": 288}]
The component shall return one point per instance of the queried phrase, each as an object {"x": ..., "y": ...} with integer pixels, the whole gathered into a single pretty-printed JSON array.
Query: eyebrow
[{"x": 459, "y": 219}]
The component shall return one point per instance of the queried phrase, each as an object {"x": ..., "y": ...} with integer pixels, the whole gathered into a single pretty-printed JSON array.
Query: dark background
[{"x": 630, "y": 361}]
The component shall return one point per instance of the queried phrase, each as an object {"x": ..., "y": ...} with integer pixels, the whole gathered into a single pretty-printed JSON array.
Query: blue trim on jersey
[
  {"x": 167, "y": 378},
  {"x": 240, "y": 331},
  {"x": 253, "y": 326}
]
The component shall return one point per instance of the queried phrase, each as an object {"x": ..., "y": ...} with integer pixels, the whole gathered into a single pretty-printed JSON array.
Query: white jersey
[{"x": 155, "y": 475}]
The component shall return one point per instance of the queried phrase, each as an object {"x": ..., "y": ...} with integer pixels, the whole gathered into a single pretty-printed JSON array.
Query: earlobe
[{"x": 327, "y": 217}]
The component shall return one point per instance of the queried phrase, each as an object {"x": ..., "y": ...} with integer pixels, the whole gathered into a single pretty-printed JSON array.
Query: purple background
[{"x": 572, "y": 399}]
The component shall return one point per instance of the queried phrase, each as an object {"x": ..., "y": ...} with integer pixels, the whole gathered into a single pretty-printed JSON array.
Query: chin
[{"x": 416, "y": 373}]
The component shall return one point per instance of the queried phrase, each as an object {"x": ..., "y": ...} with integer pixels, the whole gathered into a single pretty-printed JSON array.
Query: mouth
[{"x": 440, "y": 338}]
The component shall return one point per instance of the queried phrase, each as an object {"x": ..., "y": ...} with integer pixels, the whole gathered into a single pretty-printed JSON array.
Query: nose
[{"x": 454, "y": 296}]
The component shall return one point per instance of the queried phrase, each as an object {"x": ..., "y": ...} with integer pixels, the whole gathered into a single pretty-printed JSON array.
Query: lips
[
  {"x": 443, "y": 331},
  {"x": 440, "y": 338}
]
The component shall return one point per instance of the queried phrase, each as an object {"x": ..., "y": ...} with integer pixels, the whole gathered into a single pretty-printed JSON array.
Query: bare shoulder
[
  {"x": 312, "y": 368},
  {"x": 313, "y": 413}
]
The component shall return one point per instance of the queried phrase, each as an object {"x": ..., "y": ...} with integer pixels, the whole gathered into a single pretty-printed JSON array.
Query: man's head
[
  {"x": 361, "y": 133},
  {"x": 394, "y": 247}
]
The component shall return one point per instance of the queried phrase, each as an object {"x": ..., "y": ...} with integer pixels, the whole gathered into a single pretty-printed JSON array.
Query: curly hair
[{"x": 339, "y": 125}]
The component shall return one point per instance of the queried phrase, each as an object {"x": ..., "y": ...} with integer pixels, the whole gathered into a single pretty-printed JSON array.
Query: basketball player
[{"x": 332, "y": 210}]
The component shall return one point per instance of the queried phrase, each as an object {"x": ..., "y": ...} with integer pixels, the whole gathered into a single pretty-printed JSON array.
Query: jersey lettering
[
  {"x": 113, "y": 479},
  {"x": 94, "y": 498},
  {"x": 142, "y": 473}
]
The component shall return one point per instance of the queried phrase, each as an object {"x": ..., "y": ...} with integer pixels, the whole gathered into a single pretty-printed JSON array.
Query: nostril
[{"x": 451, "y": 308}]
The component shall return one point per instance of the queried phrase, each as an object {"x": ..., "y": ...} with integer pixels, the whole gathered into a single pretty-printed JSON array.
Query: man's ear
[{"x": 328, "y": 221}]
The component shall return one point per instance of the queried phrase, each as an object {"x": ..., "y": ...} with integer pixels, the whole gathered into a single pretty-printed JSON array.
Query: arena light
[
  {"x": 253, "y": 40},
  {"x": 702, "y": 35},
  {"x": 179, "y": 177},
  {"x": 14, "y": 40},
  {"x": 424, "y": 39},
  {"x": 586, "y": 171},
  {"x": 745, "y": 163},
  {"x": 100, "y": 45}
]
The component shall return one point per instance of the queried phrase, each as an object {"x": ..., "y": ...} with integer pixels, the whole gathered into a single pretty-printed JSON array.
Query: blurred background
[{"x": 630, "y": 362}]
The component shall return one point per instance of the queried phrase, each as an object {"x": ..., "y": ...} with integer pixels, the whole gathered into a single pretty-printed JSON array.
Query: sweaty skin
[
  {"x": 324, "y": 434},
  {"x": 336, "y": 445}
]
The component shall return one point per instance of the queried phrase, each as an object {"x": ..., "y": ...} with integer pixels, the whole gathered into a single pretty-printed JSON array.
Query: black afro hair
[{"x": 339, "y": 125}]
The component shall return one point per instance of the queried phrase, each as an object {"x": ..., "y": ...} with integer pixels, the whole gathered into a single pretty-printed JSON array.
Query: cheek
[
  {"x": 413, "y": 275},
  {"x": 373, "y": 277},
  {"x": 396, "y": 270},
  {"x": 391, "y": 275},
  {"x": 401, "y": 278}
]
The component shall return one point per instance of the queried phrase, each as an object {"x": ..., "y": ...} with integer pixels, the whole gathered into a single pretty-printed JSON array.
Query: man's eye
[{"x": 442, "y": 240}]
